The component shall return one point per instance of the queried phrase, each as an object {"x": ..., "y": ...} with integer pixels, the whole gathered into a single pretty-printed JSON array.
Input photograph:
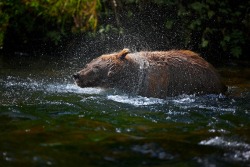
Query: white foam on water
[
  {"x": 23, "y": 84},
  {"x": 219, "y": 141},
  {"x": 239, "y": 150},
  {"x": 185, "y": 100},
  {"x": 72, "y": 88},
  {"x": 136, "y": 101},
  {"x": 192, "y": 101},
  {"x": 44, "y": 85}
]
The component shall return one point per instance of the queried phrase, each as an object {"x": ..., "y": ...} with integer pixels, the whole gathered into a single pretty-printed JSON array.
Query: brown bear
[{"x": 158, "y": 74}]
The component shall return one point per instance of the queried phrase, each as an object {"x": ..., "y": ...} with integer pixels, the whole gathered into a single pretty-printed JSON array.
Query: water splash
[
  {"x": 47, "y": 85},
  {"x": 136, "y": 101},
  {"x": 72, "y": 88},
  {"x": 134, "y": 42},
  {"x": 237, "y": 151},
  {"x": 143, "y": 66},
  {"x": 184, "y": 99},
  {"x": 222, "y": 142}
]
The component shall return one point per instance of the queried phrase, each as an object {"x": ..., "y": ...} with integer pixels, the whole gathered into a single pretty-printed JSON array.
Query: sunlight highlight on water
[
  {"x": 220, "y": 141},
  {"x": 185, "y": 99},
  {"x": 236, "y": 150},
  {"x": 72, "y": 88},
  {"x": 136, "y": 101}
]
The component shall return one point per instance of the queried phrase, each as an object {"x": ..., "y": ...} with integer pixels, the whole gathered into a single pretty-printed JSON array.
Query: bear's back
[
  {"x": 175, "y": 55},
  {"x": 176, "y": 72}
]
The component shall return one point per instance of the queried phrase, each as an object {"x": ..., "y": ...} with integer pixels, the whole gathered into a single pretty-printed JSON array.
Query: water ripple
[
  {"x": 136, "y": 101},
  {"x": 238, "y": 151}
]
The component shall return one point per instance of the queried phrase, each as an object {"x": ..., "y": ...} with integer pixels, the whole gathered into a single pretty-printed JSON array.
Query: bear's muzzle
[{"x": 76, "y": 76}]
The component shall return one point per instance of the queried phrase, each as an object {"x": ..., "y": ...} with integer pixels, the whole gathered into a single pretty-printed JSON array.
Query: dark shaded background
[{"x": 219, "y": 31}]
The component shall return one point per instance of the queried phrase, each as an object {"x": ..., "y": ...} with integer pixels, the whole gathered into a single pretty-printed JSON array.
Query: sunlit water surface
[{"x": 46, "y": 120}]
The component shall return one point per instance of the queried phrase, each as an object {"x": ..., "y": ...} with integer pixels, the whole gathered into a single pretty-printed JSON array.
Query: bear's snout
[{"x": 76, "y": 76}]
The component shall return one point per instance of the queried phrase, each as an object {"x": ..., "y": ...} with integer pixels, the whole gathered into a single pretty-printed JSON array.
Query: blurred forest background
[{"x": 217, "y": 29}]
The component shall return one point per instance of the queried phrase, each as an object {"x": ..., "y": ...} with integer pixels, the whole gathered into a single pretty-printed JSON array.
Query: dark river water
[{"x": 46, "y": 120}]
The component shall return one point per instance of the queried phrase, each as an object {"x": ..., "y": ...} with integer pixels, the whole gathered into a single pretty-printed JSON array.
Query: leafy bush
[
  {"x": 216, "y": 27},
  {"x": 221, "y": 23},
  {"x": 51, "y": 18}
]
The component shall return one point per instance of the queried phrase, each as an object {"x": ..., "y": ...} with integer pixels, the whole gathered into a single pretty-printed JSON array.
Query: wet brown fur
[{"x": 153, "y": 74}]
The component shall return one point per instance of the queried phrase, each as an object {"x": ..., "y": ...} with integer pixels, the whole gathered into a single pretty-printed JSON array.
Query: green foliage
[
  {"x": 169, "y": 24},
  {"x": 221, "y": 23},
  {"x": 4, "y": 19},
  {"x": 58, "y": 17},
  {"x": 109, "y": 28},
  {"x": 210, "y": 25}
]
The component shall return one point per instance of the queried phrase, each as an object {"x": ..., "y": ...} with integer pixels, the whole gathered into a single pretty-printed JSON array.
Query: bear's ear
[{"x": 122, "y": 54}]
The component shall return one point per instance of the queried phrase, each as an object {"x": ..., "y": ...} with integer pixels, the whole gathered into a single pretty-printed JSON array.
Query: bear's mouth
[
  {"x": 77, "y": 82},
  {"x": 85, "y": 82},
  {"x": 77, "y": 79},
  {"x": 76, "y": 76},
  {"x": 82, "y": 83}
]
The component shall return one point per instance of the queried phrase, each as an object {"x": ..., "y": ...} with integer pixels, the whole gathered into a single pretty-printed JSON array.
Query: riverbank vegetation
[{"x": 218, "y": 28}]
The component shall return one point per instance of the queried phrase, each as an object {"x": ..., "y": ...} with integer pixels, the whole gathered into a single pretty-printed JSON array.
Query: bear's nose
[{"x": 76, "y": 76}]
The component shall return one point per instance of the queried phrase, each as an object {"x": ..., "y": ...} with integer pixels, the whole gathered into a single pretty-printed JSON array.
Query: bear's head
[{"x": 101, "y": 71}]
